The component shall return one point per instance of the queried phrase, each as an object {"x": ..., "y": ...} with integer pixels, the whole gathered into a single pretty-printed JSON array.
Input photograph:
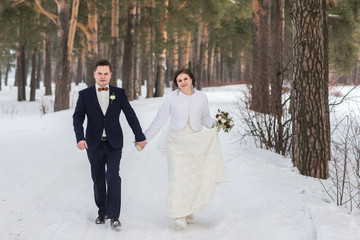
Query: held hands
[
  {"x": 82, "y": 145},
  {"x": 140, "y": 145}
]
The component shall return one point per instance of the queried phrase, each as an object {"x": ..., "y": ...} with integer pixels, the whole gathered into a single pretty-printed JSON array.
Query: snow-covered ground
[{"x": 46, "y": 188}]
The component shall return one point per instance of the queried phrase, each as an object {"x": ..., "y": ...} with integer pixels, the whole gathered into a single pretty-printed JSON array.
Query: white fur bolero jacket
[{"x": 181, "y": 108}]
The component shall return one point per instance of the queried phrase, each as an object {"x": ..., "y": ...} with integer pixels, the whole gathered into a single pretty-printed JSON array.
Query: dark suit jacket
[{"x": 88, "y": 105}]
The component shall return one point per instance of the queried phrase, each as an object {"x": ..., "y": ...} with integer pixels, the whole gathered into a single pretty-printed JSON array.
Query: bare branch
[
  {"x": 342, "y": 100},
  {"x": 17, "y": 2},
  {"x": 182, "y": 5},
  {"x": 40, "y": 9}
]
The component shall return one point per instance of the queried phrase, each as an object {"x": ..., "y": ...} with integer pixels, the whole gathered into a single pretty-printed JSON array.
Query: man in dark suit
[{"x": 102, "y": 105}]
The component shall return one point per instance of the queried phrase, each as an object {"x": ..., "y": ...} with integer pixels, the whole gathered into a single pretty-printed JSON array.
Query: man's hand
[
  {"x": 82, "y": 145},
  {"x": 141, "y": 144}
]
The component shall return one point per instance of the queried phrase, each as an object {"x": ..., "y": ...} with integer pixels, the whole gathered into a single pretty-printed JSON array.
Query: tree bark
[
  {"x": 185, "y": 56},
  {"x": 261, "y": 79},
  {"x": 325, "y": 14},
  {"x": 38, "y": 70},
  {"x": 92, "y": 40},
  {"x": 198, "y": 58},
  {"x": 128, "y": 71},
  {"x": 114, "y": 40},
  {"x": 79, "y": 70},
  {"x": 276, "y": 77},
  {"x": 310, "y": 118},
  {"x": 161, "y": 57},
  {"x": 7, "y": 73},
  {"x": 62, "y": 77},
  {"x": 47, "y": 70},
  {"x": 137, "y": 51},
  {"x": 20, "y": 77},
  {"x": 175, "y": 55},
  {"x": 148, "y": 64},
  {"x": 254, "y": 102},
  {"x": 0, "y": 78},
  {"x": 204, "y": 55},
  {"x": 211, "y": 63},
  {"x": 72, "y": 30},
  {"x": 33, "y": 75}
]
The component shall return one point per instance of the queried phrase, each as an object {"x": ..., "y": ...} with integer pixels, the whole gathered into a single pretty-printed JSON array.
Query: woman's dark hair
[
  {"x": 102, "y": 62},
  {"x": 186, "y": 71}
]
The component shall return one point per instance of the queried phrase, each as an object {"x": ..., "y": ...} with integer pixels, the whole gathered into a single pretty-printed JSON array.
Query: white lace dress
[
  {"x": 194, "y": 156},
  {"x": 196, "y": 167}
]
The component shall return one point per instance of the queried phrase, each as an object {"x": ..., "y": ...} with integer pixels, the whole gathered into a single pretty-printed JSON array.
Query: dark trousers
[{"x": 105, "y": 164}]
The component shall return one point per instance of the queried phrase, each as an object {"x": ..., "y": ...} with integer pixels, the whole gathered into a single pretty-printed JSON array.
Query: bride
[{"x": 195, "y": 164}]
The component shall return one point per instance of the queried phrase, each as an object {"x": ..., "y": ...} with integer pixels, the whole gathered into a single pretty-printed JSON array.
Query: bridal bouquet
[{"x": 224, "y": 121}]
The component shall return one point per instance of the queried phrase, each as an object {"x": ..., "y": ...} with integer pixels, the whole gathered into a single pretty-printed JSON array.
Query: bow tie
[{"x": 103, "y": 89}]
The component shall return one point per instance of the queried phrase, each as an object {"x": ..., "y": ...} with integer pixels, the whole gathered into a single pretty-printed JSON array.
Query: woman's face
[{"x": 184, "y": 82}]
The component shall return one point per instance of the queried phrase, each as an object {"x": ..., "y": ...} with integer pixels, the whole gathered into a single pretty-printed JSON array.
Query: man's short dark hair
[{"x": 102, "y": 62}]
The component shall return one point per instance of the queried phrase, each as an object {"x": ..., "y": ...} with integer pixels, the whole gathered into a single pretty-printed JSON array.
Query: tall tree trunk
[
  {"x": 20, "y": 77},
  {"x": 8, "y": 66},
  {"x": 278, "y": 27},
  {"x": 114, "y": 40},
  {"x": 33, "y": 75},
  {"x": 160, "y": 74},
  {"x": 198, "y": 58},
  {"x": 47, "y": 70},
  {"x": 185, "y": 56},
  {"x": 0, "y": 70},
  {"x": 72, "y": 29},
  {"x": 201, "y": 56},
  {"x": 169, "y": 62},
  {"x": 242, "y": 67},
  {"x": 260, "y": 86},
  {"x": 92, "y": 41},
  {"x": 255, "y": 102},
  {"x": 38, "y": 69},
  {"x": 79, "y": 70},
  {"x": 128, "y": 71},
  {"x": 218, "y": 65},
  {"x": 137, "y": 51},
  {"x": 310, "y": 118},
  {"x": 148, "y": 64},
  {"x": 175, "y": 55},
  {"x": 325, "y": 14},
  {"x": 204, "y": 56},
  {"x": 277, "y": 42},
  {"x": 222, "y": 67},
  {"x": 211, "y": 63},
  {"x": 0, "y": 78},
  {"x": 161, "y": 57},
  {"x": 121, "y": 60},
  {"x": 62, "y": 74}
]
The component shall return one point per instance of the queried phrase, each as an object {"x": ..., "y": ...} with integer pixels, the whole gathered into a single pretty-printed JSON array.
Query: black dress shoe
[
  {"x": 115, "y": 223},
  {"x": 100, "y": 220}
]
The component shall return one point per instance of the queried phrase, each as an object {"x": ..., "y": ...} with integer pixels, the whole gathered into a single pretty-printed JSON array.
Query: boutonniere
[{"x": 112, "y": 97}]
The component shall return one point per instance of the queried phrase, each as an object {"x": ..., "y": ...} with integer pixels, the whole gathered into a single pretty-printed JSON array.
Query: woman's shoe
[
  {"x": 180, "y": 223},
  {"x": 190, "y": 219}
]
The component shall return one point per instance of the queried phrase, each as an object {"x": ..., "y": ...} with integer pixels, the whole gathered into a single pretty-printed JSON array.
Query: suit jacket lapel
[
  {"x": 111, "y": 91},
  {"x": 94, "y": 96}
]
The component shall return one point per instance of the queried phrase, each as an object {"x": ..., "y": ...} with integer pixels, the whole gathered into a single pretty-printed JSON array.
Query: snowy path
[{"x": 46, "y": 188}]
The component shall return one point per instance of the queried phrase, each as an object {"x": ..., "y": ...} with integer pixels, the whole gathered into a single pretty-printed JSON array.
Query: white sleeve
[
  {"x": 159, "y": 121},
  {"x": 206, "y": 120}
]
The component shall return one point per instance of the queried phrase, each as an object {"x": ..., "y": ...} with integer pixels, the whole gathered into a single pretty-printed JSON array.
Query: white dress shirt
[
  {"x": 182, "y": 108},
  {"x": 103, "y": 98}
]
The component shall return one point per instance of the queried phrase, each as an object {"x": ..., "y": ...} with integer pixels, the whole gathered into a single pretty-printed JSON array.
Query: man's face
[{"x": 102, "y": 75}]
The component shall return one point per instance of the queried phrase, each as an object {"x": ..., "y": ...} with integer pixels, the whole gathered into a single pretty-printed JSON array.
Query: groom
[{"x": 102, "y": 105}]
